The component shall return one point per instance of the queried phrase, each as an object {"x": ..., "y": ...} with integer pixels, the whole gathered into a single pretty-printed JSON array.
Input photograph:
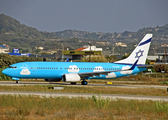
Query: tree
[{"x": 111, "y": 58}]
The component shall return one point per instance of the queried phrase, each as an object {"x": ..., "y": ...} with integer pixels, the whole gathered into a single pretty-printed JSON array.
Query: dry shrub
[{"x": 159, "y": 68}]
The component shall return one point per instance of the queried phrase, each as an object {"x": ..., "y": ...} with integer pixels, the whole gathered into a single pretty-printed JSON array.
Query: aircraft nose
[{"x": 5, "y": 71}]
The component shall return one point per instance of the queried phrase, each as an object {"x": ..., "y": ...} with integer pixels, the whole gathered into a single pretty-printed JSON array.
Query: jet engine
[{"x": 73, "y": 77}]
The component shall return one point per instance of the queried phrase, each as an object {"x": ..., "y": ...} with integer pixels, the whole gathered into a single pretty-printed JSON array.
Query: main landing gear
[{"x": 84, "y": 82}]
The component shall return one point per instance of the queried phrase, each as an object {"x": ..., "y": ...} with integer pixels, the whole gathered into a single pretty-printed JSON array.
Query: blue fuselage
[{"x": 55, "y": 70}]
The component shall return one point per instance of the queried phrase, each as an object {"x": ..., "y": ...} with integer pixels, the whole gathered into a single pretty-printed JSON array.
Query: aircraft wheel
[
  {"x": 84, "y": 82},
  {"x": 73, "y": 83},
  {"x": 17, "y": 82}
]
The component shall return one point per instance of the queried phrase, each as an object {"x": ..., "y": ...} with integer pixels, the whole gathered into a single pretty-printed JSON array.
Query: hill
[
  {"x": 160, "y": 36},
  {"x": 10, "y": 26},
  {"x": 160, "y": 33},
  {"x": 26, "y": 38}
]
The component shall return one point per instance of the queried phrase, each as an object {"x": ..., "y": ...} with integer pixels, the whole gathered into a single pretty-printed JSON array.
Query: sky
[{"x": 87, "y": 15}]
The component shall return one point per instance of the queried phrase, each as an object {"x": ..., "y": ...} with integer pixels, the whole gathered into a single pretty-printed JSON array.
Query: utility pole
[
  {"x": 63, "y": 53},
  {"x": 57, "y": 55},
  {"x": 155, "y": 47},
  {"x": 90, "y": 51},
  {"x": 165, "y": 54},
  {"x": 113, "y": 51}
]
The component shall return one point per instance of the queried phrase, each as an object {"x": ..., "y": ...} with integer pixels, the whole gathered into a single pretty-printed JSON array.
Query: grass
[
  {"x": 89, "y": 89},
  {"x": 33, "y": 107},
  {"x": 165, "y": 82}
]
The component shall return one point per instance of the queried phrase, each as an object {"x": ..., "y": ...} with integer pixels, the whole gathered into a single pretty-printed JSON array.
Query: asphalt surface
[
  {"x": 86, "y": 95},
  {"x": 13, "y": 83}
]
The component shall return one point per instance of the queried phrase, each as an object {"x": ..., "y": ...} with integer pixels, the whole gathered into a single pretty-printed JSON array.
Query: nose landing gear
[{"x": 17, "y": 81}]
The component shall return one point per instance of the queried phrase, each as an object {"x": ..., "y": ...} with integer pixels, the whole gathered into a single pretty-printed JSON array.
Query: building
[
  {"x": 83, "y": 51},
  {"x": 4, "y": 49},
  {"x": 39, "y": 48},
  {"x": 162, "y": 58},
  {"x": 121, "y": 44},
  {"x": 16, "y": 52}
]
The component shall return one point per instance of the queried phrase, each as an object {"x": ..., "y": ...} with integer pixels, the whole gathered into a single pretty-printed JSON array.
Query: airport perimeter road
[
  {"x": 86, "y": 95},
  {"x": 13, "y": 83}
]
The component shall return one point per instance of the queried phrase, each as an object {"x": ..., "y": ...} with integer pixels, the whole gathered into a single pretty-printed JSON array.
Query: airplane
[{"x": 74, "y": 72}]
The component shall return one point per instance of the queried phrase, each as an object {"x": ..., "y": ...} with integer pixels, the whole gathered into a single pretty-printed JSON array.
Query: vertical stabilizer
[{"x": 140, "y": 52}]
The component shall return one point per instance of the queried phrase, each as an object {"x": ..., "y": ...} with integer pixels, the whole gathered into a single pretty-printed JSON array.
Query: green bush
[
  {"x": 2, "y": 76},
  {"x": 6, "y": 60},
  {"x": 101, "y": 103}
]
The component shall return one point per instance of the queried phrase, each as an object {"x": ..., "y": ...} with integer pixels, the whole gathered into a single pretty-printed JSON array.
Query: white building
[
  {"x": 88, "y": 48},
  {"x": 4, "y": 48}
]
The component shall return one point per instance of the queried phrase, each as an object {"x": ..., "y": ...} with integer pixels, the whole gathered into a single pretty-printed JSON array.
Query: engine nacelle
[
  {"x": 73, "y": 77},
  {"x": 52, "y": 80}
]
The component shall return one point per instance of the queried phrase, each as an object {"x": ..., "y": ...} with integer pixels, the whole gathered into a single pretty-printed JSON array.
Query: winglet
[{"x": 133, "y": 66}]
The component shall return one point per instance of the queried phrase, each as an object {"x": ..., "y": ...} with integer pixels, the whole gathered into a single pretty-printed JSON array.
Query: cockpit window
[{"x": 12, "y": 67}]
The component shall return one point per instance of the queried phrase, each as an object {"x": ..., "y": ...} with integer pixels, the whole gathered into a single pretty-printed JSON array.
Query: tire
[
  {"x": 73, "y": 83},
  {"x": 17, "y": 82},
  {"x": 84, "y": 82}
]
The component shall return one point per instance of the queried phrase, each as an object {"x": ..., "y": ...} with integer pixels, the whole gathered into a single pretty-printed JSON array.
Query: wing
[
  {"x": 91, "y": 74},
  {"x": 146, "y": 66}
]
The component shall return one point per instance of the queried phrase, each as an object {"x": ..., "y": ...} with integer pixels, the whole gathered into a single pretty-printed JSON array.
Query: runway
[
  {"x": 13, "y": 83},
  {"x": 86, "y": 95}
]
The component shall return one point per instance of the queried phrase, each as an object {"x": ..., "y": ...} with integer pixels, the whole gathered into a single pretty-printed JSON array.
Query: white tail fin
[{"x": 140, "y": 52}]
